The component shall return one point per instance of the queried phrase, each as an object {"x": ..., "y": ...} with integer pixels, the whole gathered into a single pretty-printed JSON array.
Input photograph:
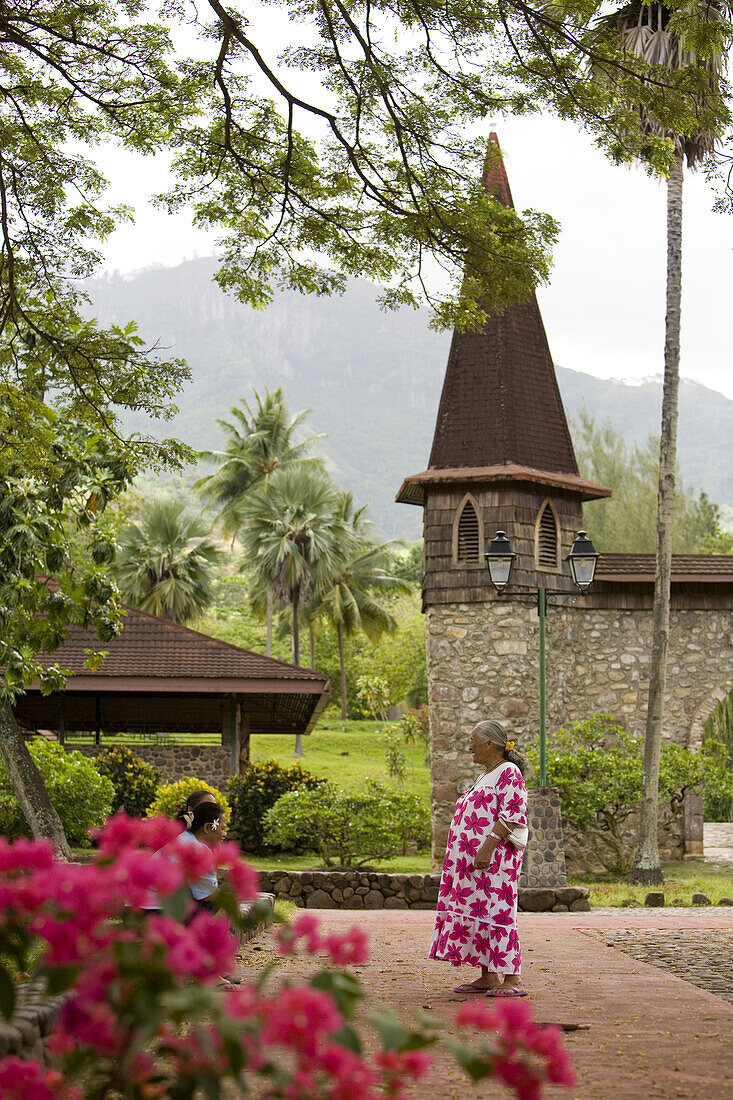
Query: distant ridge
[{"x": 373, "y": 380}]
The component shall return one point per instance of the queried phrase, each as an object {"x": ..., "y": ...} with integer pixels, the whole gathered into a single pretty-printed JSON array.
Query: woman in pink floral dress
[{"x": 476, "y": 922}]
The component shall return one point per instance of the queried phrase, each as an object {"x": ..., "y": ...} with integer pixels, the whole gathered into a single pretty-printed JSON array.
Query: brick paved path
[{"x": 651, "y": 1033}]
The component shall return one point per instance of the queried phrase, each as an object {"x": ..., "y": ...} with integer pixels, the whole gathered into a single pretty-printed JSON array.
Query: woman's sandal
[
  {"x": 511, "y": 991},
  {"x": 469, "y": 987}
]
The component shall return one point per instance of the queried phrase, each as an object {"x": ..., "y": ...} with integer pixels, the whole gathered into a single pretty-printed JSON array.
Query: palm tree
[
  {"x": 165, "y": 562},
  {"x": 644, "y": 31},
  {"x": 294, "y": 535},
  {"x": 350, "y": 602},
  {"x": 260, "y": 440},
  {"x": 293, "y": 532}
]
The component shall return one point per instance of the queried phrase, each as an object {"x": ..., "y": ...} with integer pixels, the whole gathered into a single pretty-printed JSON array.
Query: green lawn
[
  {"x": 418, "y": 864},
  {"x": 347, "y": 753},
  {"x": 681, "y": 880}
]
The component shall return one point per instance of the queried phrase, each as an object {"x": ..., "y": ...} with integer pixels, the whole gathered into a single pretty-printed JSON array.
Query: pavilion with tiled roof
[{"x": 160, "y": 677}]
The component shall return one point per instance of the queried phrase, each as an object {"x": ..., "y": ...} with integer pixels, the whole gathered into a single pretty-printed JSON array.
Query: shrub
[
  {"x": 255, "y": 791},
  {"x": 347, "y": 829},
  {"x": 717, "y": 791},
  {"x": 394, "y": 753},
  {"x": 144, "y": 1014},
  {"x": 171, "y": 797},
  {"x": 597, "y": 766},
  {"x": 80, "y": 795},
  {"x": 134, "y": 780}
]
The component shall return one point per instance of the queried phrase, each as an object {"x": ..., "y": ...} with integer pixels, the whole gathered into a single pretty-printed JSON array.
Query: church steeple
[
  {"x": 502, "y": 455},
  {"x": 500, "y": 403}
]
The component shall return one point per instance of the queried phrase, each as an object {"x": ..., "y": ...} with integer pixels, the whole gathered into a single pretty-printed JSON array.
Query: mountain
[{"x": 373, "y": 380}]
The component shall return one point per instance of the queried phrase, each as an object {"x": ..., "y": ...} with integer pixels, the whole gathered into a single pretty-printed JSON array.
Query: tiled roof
[
  {"x": 701, "y": 568},
  {"x": 501, "y": 403},
  {"x": 150, "y": 648}
]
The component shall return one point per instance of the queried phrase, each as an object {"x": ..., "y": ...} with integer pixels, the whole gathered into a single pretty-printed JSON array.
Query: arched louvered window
[
  {"x": 468, "y": 546},
  {"x": 547, "y": 556}
]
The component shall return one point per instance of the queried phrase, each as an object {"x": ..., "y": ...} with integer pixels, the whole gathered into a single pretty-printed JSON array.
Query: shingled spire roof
[{"x": 500, "y": 409}]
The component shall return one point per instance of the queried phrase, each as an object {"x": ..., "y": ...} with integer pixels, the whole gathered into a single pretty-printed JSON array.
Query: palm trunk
[
  {"x": 295, "y": 597},
  {"x": 342, "y": 668},
  {"x": 647, "y": 867},
  {"x": 298, "y": 749},
  {"x": 42, "y": 819},
  {"x": 268, "y": 640}
]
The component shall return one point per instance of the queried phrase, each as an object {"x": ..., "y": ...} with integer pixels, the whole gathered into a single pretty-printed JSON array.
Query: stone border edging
[
  {"x": 372, "y": 890},
  {"x": 31, "y": 1023}
]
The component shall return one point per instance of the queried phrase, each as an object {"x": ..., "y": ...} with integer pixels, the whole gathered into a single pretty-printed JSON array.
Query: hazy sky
[{"x": 604, "y": 309}]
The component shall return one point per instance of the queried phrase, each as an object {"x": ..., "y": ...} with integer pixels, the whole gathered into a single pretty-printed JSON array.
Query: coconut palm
[
  {"x": 166, "y": 562},
  {"x": 647, "y": 32},
  {"x": 350, "y": 599},
  {"x": 261, "y": 438}
]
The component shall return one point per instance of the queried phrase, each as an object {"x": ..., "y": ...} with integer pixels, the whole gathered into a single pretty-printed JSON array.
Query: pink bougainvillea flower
[
  {"x": 244, "y": 879},
  {"x": 299, "y": 1018},
  {"x": 29, "y": 1080},
  {"x": 350, "y": 949}
]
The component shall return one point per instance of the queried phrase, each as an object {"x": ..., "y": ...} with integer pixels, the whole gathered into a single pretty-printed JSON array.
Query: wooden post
[
  {"x": 229, "y": 730},
  {"x": 244, "y": 735},
  {"x": 62, "y": 720}
]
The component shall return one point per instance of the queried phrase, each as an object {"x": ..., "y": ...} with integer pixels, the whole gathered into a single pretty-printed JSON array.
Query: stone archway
[{"x": 703, "y": 712}]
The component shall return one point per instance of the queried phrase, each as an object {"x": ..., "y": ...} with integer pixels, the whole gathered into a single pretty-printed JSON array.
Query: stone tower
[{"x": 502, "y": 458}]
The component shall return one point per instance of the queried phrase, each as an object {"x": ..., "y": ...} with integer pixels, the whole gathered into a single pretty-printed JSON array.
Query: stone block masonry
[
  {"x": 208, "y": 762},
  {"x": 370, "y": 890},
  {"x": 483, "y": 663}
]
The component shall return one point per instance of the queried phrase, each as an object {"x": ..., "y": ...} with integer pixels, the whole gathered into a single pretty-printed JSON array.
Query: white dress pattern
[{"x": 476, "y": 921}]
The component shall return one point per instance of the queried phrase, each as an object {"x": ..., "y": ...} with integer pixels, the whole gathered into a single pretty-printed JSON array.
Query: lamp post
[{"x": 582, "y": 560}]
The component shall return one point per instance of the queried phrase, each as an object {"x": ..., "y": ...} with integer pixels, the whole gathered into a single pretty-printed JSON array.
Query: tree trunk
[
  {"x": 29, "y": 788},
  {"x": 342, "y": 667},
  {"x": 295, "y": 597},
  {"x": 647, "y": 867},
  {"x": 298, "y": 749},
  {"x": 268, "y": 641}
]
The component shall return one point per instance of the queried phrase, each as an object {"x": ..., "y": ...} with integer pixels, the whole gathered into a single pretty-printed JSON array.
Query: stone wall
[
  {"x": 32, "y": 1021},
  {"x": 369, "y": 890},
  {"x": 544, "y": 859},
  {"x": 483, "y": 662},
  {"x": 211, "y": 763},
  {"x": 582, "y": 851}
]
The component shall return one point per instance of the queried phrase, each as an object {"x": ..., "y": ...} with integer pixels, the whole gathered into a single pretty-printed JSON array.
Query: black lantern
[
  {"x": 499, "y": 560},
  {"x": 583, "y": 559}
]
